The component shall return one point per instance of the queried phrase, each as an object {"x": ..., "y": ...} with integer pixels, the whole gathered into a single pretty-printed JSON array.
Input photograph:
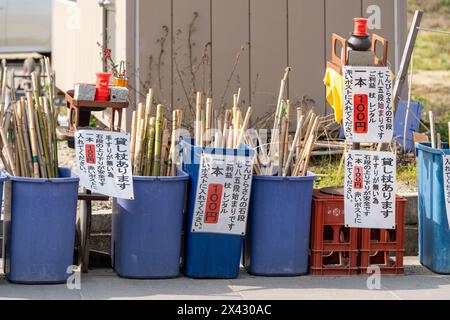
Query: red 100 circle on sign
[
  {"x": 361, "y": 113},
  {"x": 213, "y": 202}
]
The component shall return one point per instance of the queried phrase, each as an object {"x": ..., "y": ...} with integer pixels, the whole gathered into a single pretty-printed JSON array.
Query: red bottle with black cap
[{"x": 360, "y": 39}]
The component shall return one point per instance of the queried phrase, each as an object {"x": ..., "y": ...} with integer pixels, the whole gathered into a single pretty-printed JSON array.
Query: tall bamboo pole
[
  {"x": 158, "y": 138},
  {"x": 133, "y": 136},
  {"x": 41, "y": 124},
  {"x": 150, "y": 147},
  {"x": 25, "y": 134}
]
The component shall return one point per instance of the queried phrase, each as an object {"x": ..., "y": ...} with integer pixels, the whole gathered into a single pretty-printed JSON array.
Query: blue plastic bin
[
  {"x": 208, "y": 255},
  {"x": 278, "y": 229},
  {"x": 147, "y": 230},
  {"x": 42, "y": 235},
  {"x": 434, "y": 233}
]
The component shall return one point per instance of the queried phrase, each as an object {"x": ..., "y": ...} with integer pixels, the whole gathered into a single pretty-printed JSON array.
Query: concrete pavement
[{"x": 417, "y": 283}]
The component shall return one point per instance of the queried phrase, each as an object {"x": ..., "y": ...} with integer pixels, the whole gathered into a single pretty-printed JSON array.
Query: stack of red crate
[
  {"x": 334, "y": 247},
  {"x": 384, "y": 247}
]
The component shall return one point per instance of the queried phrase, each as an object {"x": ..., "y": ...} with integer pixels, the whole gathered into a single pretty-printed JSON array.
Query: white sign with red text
[
  {"x": 370, "y": 189},
  {"x": 104, "y": 165},
  {"x": 367, "y": 104},
  {"x": 223, "y": 194}
]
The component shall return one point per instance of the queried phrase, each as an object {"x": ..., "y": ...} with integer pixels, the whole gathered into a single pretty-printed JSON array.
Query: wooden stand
[{"x": 80, "y": 111}]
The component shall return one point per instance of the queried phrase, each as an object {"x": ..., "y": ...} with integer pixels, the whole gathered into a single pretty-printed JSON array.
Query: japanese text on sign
[
  {"x": 223, "y": 194},
  {"x": 446, "y": 169},
  {"x": 103, "y": 159},
  {"x": 368, "y": 113},
  {"x": 370, "y": 189}
]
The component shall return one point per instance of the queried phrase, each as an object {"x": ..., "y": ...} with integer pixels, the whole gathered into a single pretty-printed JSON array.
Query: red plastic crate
[
  {"x": 380, "y": 246},
  {"x": 334, "y": 247}
]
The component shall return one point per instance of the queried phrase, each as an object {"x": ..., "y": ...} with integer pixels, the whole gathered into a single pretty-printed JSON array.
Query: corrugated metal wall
[{"x": 274, "y": 34}]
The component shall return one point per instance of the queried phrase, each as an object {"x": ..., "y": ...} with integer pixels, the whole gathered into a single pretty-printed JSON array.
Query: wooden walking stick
[
  {"x": 2, "y": 98},
  {"x": 53, "y": 114},
  {"x": 150, "y": 147},
  {"x": 432, "y": 129},
  {"x": 158, "y": 138},
  {"x": 173, "y": 144},
  {"x": 244, "y": 127},
  {"x": 208, "y": 121},
  {"x": 33, "y": 136},
  {"x": 42, "y": 135},
  {"x": 133, "y": 136},
  {"x": 293, "y": 148},
  {"x": 25, "y": 134}
]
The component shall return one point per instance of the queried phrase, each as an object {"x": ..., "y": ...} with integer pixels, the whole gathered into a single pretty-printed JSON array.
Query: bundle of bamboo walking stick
[
  {"x": 28, "y": 130},
  {"x": 153, "y": 148},
  {"x": 229, "y": 129}
]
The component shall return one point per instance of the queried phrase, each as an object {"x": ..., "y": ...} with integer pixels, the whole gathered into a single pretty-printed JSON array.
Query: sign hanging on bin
[
  {"x": 369, "y": 189},
  {"x": 446, "y": 169},
  {"x": 104, "y": 165},
  {"x": 368, "y": 112},
  {"x": 223, "y": 194}
]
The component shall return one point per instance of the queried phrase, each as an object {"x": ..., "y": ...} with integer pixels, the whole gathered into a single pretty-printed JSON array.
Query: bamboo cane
[
  {"x": 41, "y": 155},
  {"x": 140, "y": 122},
  {"x": 244, "y": 127},
  {"x": 432, "y": 129},
  {"x": 198, "y": 115},
  {"x": 164, "y": 151},
  {"x": 305, "y": 147},
  {"x": 21, "y": 144},
  {"x": 138, "y": 151},
  {"x": 150, "y": 147},
  {"x": 133, "y": 136},
  {"x": 294, "y": 147},
  {"x": 208, "y": 121},
  {"x": 448, "y": 135},
  {"x": 173, "y": 144},
  {"x": 48, "y": 131},
  {"x": 40, "y": 123},
  {"x": 53, "y": 114},
  {"x": 33, "y": 136},
  {"x": 307, "y": 154},
  {"x": 158, "y": 138},
  {"x": 230, "y": 138},
  {"x": 2, "y": 98},
  {"x": 148, "y": 107},
  {"x": 277, "y": 119},
  {"x": 202, "y": 129},
  {"x": 285, "y": 134},
  {"x": 25, "y": 134}
]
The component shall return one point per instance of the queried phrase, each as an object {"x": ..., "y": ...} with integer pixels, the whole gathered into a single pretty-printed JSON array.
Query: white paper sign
[
  {"x": 103, "y": 159},
  {"x": 223, "y": 194},
  {"x": 367, "y": 104},
  {"x": 370, "y": 189},
  {"x": 446, "y": 169}
]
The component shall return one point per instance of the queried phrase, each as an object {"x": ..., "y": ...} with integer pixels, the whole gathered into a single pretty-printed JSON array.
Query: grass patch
[
  {"x": 327, "y": 171},
  {"x": 432, "y": 51},
  {"x": 407, "y": 172}
]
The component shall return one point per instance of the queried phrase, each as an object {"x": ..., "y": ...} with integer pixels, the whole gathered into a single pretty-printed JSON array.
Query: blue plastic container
[
  {"x": 434, "y": 233},
  {"x": 147, "y": 230},
  {"x": 42, "y": 235},
  {"x": 278, "y": 229},
  {"x": 208, "y": 255}
]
